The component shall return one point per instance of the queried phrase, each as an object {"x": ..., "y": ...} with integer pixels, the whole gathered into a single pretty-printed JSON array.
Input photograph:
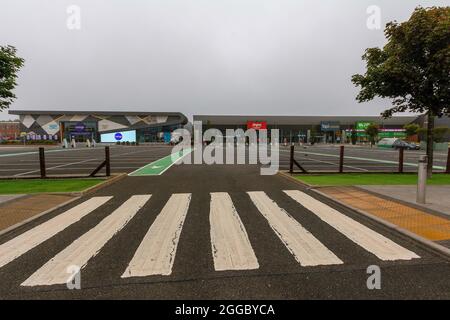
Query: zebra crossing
[
  {"x": 156, "y": 253},
  {"x": 86, "y": 247},
  {"x": 231, "y": 247}
]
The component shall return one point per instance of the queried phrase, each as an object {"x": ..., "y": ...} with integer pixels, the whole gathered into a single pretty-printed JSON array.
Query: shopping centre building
[
  {"x": 309, "y": 128},
  {"x": 104, "y": 126},
  {"x": 100, "y": 126}
]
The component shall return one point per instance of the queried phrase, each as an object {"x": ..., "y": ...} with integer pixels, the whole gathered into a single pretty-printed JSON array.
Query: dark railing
[
  {"x": 106, "y": 163},
  {"x": 448, "y": 161},
  {"x": 42, "y": 163},
  {"x": 292, "y": 161},
  {"x": 401, "y": 160}
]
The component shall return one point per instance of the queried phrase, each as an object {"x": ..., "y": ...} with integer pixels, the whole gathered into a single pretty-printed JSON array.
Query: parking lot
[
  {"x": 24, "y": 162},
  {"x": 81, "y": 161},
  {"x": 325, "y": 158}
]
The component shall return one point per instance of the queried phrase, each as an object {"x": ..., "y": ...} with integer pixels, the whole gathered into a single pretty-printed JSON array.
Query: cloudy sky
[{"x": 290, "y": 57}]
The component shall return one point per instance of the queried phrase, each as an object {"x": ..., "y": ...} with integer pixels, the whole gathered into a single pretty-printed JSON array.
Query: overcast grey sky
[{"x": 290, "y": 57}]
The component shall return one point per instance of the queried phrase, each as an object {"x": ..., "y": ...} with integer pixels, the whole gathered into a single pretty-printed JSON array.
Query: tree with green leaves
[
  {"x": 412, "y": 68},
  {"x": 372, "y": 131},
  {"x": 411, "y": 129},
  {"x": 10, "y": 65},
  {"x": 438, "y": 133}
]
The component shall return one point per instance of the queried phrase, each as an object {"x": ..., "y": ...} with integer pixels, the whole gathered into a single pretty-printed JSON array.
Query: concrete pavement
[
  {"x": 438, "y": 197},
  {"x": 21, "y": 208},
  {"x": 6, "y": 198}
]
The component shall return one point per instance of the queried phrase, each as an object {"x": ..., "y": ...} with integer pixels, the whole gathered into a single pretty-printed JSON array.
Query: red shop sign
[{"x": 257, "y": 125}]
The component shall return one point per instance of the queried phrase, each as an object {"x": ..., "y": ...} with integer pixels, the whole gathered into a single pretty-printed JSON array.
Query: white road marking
[
  {"x": 156, "y": 253},
  {"x": 382, "y": 247},
  {"x": 36, "y": 152},
  {"x": 55, "y": 167},
  {"x": 337, "y": 164},
  {"x": 306, "y": 249},
  {"x": 364, "y": 159},
  {"x": 80, "y": 251},
  {"x": 230, "y": 245},
  {"x": 90, "y": 168},
  {"x": 19, "y": 245}
]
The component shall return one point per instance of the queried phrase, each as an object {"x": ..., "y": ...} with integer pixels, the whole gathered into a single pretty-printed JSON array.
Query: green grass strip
[
  {"x": 349, "y": 179},
  {"x": 27, "y": 186}
]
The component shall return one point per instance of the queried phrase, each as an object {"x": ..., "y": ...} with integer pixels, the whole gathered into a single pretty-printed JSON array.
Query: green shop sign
[
  {"x": 392, "y": 134},
  {"x": 362, "y": 125}
]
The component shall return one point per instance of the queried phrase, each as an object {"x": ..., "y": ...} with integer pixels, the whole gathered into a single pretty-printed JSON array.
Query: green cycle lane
[{"x": 159, "y": 166}]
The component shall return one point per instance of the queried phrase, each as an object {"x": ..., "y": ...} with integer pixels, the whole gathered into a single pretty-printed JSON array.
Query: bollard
[
  {"x": 422, "y": 180},
  {"x": 108, "y": 164},
  {"x": 401, "y": 152},
  {"x": 448, "y": 162},
  {"x": 341, "y": 159},
  {"x": 42, "y": 162}
]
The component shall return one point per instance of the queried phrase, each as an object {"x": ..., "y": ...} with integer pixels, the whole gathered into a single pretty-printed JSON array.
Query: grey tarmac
[{"x": 279, "y": 275}]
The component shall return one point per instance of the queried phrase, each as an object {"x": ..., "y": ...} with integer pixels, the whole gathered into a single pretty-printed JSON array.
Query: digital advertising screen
[{"x": 119, "y": 136}]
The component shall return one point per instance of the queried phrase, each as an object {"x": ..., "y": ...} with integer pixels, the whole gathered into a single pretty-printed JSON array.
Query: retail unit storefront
[
  {"x": 99, "y": 126},
  {"x": 330, "y": 129}
]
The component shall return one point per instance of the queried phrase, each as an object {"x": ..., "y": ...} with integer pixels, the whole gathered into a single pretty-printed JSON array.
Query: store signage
[
  {"x": 330, "y": 126},
  {"x": 80, "y": 127},
  {"x": 257, "y": 125},
  {"x": 118, "y": 136},
  {"x": 362, "y": 125}
]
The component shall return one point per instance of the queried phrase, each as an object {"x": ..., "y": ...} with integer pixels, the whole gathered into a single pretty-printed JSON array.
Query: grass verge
[
  {"x": 349, "y": 179},
  {"x": 27, "y": 186}
]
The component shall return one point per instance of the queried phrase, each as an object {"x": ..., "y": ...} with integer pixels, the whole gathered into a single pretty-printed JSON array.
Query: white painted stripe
[
  {"x": 382, "y": 247},
  {"x": 306, "y": 249},
  {"x": 156, "y": 253},
  {"x": 360, "y": 158},
  {"x": 184, "y": 155},
  {"x": 230, "y": 245},
  {"x": 55, "y": 167},
  {"x": 79, "y": 252},
  {"x": 337, "y": 164},
  {"x": 25, "y": 153},
  {"x": 21, "y": 244}
]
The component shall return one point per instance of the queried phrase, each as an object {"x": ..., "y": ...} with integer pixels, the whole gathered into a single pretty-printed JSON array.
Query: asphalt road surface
[
  {"x": 357, "y": 159},
  {"x": 81, "y": 161},
  {"x": 22, "y": 162},
  {"x": 213, "y": 232}
]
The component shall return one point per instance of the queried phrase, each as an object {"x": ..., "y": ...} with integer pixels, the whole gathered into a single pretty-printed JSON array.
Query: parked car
[
  {"x": 387, "y": 142},
  {"x": 405, "y": 145},
  {"x": 397, "y": 143}
]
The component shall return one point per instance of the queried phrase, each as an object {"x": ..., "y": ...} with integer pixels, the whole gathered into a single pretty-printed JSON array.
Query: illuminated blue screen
[{"x": 119, "y": 136}]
